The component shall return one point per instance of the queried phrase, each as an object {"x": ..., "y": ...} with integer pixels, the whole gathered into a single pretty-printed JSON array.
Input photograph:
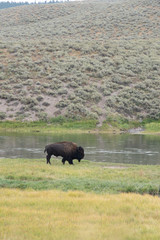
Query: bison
[{"x": 67, "y": 150}]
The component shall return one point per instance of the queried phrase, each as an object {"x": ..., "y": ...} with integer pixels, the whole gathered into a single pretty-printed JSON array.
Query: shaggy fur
[{"x": 67, "y": 150}]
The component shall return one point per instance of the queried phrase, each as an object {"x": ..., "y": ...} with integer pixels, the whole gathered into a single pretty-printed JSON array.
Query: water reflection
[{"x": 125, "y": 148}]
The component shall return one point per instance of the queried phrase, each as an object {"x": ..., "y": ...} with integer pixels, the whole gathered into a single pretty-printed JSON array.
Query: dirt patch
[
  {"x": 115, "y": 167},
  {"x": 136, "y": 130}
]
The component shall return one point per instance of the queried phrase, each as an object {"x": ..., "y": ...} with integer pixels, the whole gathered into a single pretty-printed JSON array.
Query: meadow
[
  {"x": 85, "y": 176},
  {"x": 85, "y": 201},
  {"x": 74, "y": 215}
]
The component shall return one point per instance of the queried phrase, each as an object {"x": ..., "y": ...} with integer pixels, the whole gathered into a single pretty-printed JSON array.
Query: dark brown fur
[{"x": 67, "y": 150}]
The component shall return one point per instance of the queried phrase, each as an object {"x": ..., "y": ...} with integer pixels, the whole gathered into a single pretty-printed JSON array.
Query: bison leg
[
  {"x": 70, "y": 161},
  {"x": 63, "y": 160},
  {"x": 48, "y": 157}
]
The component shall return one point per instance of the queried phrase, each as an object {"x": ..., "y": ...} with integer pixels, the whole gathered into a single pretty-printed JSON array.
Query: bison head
[{"x": 80, "y": 153}]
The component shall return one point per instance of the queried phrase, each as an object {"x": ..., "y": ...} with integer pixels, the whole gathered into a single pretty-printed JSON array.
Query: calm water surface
[{"x": 137, "y": 149}]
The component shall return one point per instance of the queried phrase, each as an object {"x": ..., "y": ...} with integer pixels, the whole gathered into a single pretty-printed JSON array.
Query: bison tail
[{"x": 45, "y": 150}]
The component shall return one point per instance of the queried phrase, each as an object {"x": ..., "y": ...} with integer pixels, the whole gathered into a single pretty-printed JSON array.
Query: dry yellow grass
[{"x": 74, "y": 215}]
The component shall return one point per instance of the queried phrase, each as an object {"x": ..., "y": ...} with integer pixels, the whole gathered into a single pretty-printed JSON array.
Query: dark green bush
[{"x": 2, "y": 115}]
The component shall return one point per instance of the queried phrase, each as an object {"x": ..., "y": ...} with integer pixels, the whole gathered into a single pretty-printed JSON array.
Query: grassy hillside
[{"x": 89, "y": 59}]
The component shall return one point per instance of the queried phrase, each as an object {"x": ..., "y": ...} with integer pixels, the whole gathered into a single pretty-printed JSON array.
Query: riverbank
[
  {"x": 84, "y": 126},
  {"x": 86, "y": 176}
]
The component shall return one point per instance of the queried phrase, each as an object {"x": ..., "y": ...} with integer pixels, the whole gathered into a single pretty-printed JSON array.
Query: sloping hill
[{"x": 80, "y": 59}]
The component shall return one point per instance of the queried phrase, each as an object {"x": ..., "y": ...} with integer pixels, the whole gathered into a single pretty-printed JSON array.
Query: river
[{"x": 124, "y": 148}]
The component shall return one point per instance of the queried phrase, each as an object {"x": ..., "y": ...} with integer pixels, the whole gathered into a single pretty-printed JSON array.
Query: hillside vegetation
[{"x": 90, "y": 59}]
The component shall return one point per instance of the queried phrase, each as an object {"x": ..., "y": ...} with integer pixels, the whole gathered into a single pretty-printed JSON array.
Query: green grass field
[
  {"x": 88, "y": 200},
  {"x": 64, "y": 125},
  {"x": 85, "y": 176},
  {"x": 54, "y": 125}
]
